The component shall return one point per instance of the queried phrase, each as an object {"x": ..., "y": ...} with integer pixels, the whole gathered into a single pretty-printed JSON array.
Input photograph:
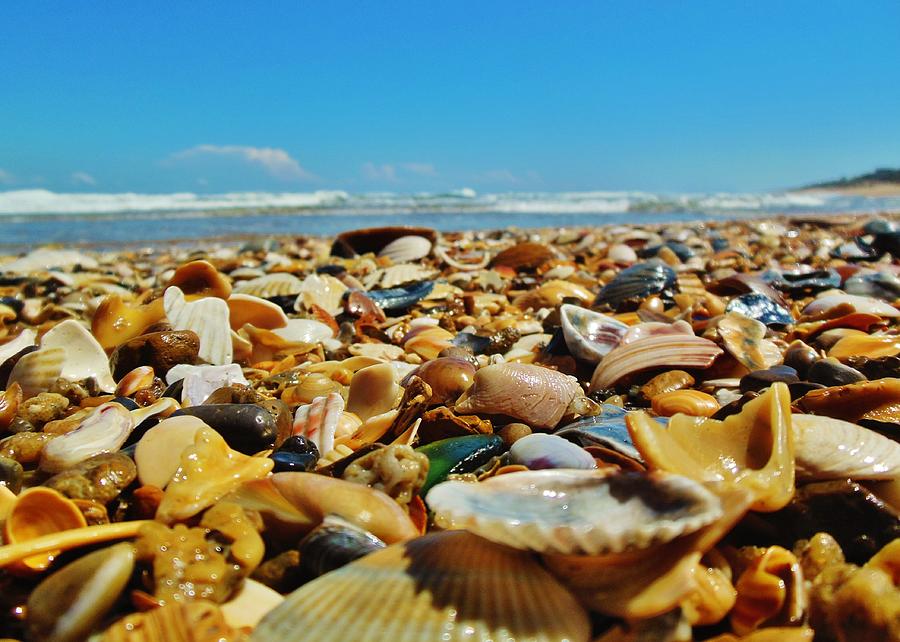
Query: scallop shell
[
  {"x": 251, "y": 603},
  {"x": 208, "y": 318},
  {"x": 406, "y": 248},
  {"x": 590, "y": 335},
  {"x": 670, "y": 350},
  {"x": 271, "y": 285},
  {"x": 322, "y": 290},
  {"x": 827, "y": 448},
  {"x": 448, "y": 586},
  {"x": 395, "y": 275},
  {"x": 576, "y": 512},
  {"x": 607, "y": 429},
  {"x": 830, "y": 299},
  {"x": 752, "y": 449},
  {"x": 103, "y": 431},
  {"x": 46, "y": 258},
  {"x": 533, "y": 394},
  {"x": 69, "y": 351}
]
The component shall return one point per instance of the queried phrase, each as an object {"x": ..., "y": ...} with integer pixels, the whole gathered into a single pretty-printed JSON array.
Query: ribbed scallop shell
[
  {"x": 208, "y": 317},
  {"x": 270, "y": 285},
  {"x": 637, "y": 282},
  {"x": 449, "y": 586},
  {"x": 590, "y": 335},
  {"x": 670, "y": 350},
  {"x": 826, "y": 448},
  {"x": 576, "y": 512},
  {"x": 533, "y": 394},
  {"x": 395, "y": 275},
  {"x": 322, "y": 290},
  {"x": 406, "y": 248}
]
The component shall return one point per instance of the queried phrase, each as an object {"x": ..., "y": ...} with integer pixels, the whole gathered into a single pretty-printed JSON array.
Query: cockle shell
[
  {"x": 37, "y": 512},
  {"x": 209, "y": 470},
  {"x": 103, "y": 431},
  {"x": 449, "y": 586},
  {"x": 318, "y": 495},
  {"x": 533, "y": 394},
  {"x": 753, "y": 449},
  {"x": 71, "y": 602},
  {"x": 251, "y": 603},
  {"x": 829, "y": 300},
  {"x": 671, "y": 350},
  {"x": 770, "y": 590},
  {"x": 208, "y": 318},
  {"x": 322, "y": 290},
  {"x": 246, "y": 308},
  {"x": 745, "y": 339},
  {"x": 67, "y": 351},
  {"x": 406, "y": 248},
  {"x": 827, "y": 448},
  {"x": 574, "y": 511},
  {"x": 271, "y": 285},
  {"x": 590, "y": 335},
  {"x": 391, "y": 277}
]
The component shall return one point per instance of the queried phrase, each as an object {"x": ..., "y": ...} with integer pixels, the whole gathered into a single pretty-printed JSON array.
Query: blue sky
[{"x": 409, "y": 96}]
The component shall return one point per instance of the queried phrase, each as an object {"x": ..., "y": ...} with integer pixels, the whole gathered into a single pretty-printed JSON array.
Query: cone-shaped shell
[
  {"x": 578, "y": 512},
  {"x": 827, "y": 448},
  {"x": 445, "y": 586},
  {"x": 670, "y": 350},
  {"x": 533, "y": 394},
  {"x": 37, "y": 512},
  {"x": 207, "y": 317},
  {"x": 753, "y": 449}
]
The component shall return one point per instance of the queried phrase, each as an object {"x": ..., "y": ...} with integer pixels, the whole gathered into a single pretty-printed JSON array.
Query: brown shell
[{"x": 524, "y": 256}]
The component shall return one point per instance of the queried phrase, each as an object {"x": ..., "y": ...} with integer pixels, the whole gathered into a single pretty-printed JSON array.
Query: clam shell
[
  {"x": 208, "y": 318},
  {"x": 590, "y": 335},
  {"x": 576, "y": 512},
  {"x": 448, "y": 586},
  {"x": 689, "y": 402},
  {"x": 304, "y": 331},
  {"x": 322, "y": 290},
  {"x": 373, "y": 239},
  {"x": 246, "y": 308},
  {"x": 524, "y": 256},
  {"x": 829, "y": 300},
  {"x": 406, "y": 248},
  {"x": 24, "y": 339},
  {"x": 670, "y": 350},
  {"x": 539, "y": 450},
  {"x": 271, "y": 285},
  {"x": 533, "y": 394},
  {"x": 103, "y": 431},
  {"x": 69, "y": 351},
  {"x": 637, "y": 282},
  {"x": 39, "y": 512},
  {"x": 827, "y": 448},
  {"x": 373, "y": 391},
  {"x": 46, "y": 258},
  {"x": 745, "y": 339}
]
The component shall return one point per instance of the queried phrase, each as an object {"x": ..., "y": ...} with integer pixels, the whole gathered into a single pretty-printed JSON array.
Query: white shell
[
  {"x": 391, "y": 277},
  {"x": 208, "y": 317},
  {"x": 590, "y": 335},
  {"x": 252, "y": 602},
  {"x": 323, "y": 290},
  {"x": 406, "y": 248},
  {"x": 24, "y": 340},
  {"x": 827, "y": 448},
  {"x": 304, "y": 331},
  {"x": 201, "y": 381},
  {"x": 44, "y": 259},
  {"x": 540, "y": 450},
  {"x": 275, "y": 284},
  {"x": 102, "y": 431},
  {"x": 577, "y": 512},
  {"x": 864, "y": 304},
  {"x": 69, "y": 351}
]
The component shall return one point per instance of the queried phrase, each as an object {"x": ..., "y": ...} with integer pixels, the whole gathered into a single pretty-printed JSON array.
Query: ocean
[{"x": 32, "y": 217}]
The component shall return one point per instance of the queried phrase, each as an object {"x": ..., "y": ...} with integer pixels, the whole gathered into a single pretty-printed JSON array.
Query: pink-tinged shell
[
  {"x": 449, "y": 586},
  {"x": 656, "y": 329},
  {"x": 863, "y": 304},
  {"x": 103, "y": 431},
  {"x": 666, "y": 350},
  {"x": 533, "y": 394},
  {"x": 318, "y": 421},
  {"x": 590, "y": 335}
]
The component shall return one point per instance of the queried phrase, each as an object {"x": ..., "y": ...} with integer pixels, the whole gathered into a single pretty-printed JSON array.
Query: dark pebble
[
  {"x": 760, "y": 379},
  {"x": 833, "y": 373},
  {"x": 247, "y": 428},
  {"x": 161, "y": 350}
]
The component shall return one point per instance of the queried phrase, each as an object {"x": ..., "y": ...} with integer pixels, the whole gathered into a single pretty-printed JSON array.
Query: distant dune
[{"x": 881, "y": 182}]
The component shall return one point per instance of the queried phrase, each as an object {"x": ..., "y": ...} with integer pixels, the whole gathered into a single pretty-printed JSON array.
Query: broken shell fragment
[
  {"x": 533, "y": 394},
  {"x": 104, "y": 430},
  {"x": 200, "y": 278},
  {"x": 36, "y": 513},
  {"x": 590, "y": 335},
  {"x": 745, "y": 339},
  {"x": 208, "y": 318}
]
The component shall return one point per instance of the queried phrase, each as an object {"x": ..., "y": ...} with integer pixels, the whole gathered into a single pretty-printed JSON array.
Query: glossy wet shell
[
  {"x": 636, "y": 283},
  {"x": 449, "y": 586},
  {"x": 576, "y": 512}
]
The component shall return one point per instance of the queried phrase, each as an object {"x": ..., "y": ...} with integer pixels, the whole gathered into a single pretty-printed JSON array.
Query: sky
[{"x": 503, "y": 95}]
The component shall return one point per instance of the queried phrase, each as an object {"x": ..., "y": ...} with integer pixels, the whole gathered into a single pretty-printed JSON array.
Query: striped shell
[
  {"x": 688, "y": 402},
  {"x": 590, "y": 335},
  {"x": 826, "y": 448},
  {"x": 637, "y": 282},
  {"x": 208, "y": 317},
  {"x": 270, "y": 285},
  {"x": 449, "y": 586},
  {"x": 322, "y": 290},
  {"x": 406, "y": 248},
  {"x": 770, "y": 590},
  {"x": 578, "y": 512}
]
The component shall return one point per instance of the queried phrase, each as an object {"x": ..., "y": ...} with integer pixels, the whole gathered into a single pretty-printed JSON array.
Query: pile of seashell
[{"x": 614, "y": 434}]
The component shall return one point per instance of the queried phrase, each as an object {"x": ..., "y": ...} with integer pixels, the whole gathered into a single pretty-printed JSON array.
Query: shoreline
[{"x": 869, "y": 190}]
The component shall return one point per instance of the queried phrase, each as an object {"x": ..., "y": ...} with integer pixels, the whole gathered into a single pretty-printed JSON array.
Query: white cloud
[
  {"x": 385, "y": 172},
  {"x": 83, "y": 178},
  {"x": 6, "y": 178},
  {"x": 276, "y": 162}
]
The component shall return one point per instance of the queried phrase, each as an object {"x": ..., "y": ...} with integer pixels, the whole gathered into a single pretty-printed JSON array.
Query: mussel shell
[
  {"x": 473, "y": 342},
  {"x": 458, "y": 455},
  {"x": 402, "y": 297},
  {"x": 682, "y": 251},
  {"x": 636, "y": 283},
  {"x": 296, "y": 454},
  {"x": 334, "y": 543},
  {"x": 803, "y": 282},
  {"x": 760, "y": 307}
]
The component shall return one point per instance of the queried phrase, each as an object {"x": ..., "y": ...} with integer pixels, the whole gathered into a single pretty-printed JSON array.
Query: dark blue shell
[
  {"x": 718, "y": 243},
  {"x": 880, "y": 285},
  {"x": 403, "y": 297},
  {"x": 636, "y": 283},
  {"x": 880, "y": 226},
  {"x": 760, "y": 307},
  {"x": 606, "y": 429},
  {"x": 681, "y": 250},
  {"x": 807, "y": 282},
  {"x": 856, "y": 249},
  {"x": 477, "y": 344}
]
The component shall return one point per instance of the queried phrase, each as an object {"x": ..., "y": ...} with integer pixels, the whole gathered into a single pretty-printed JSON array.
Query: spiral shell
[{"x": 769, "y": 591}]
